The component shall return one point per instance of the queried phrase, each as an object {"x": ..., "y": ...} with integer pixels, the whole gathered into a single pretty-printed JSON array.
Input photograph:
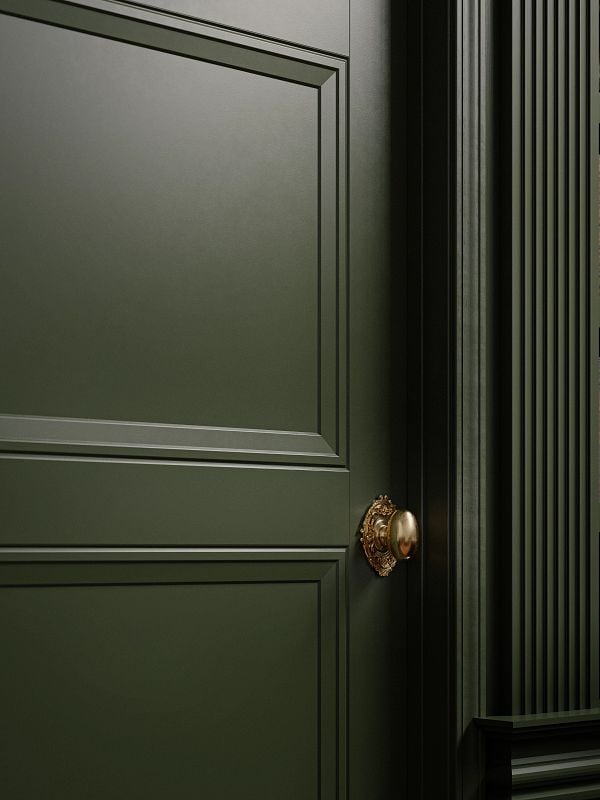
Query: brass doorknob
[{"x": 388, "y": 534}]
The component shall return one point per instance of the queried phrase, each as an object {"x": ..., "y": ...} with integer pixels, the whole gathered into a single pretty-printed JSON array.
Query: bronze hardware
[{"x": 388, "y": 534}]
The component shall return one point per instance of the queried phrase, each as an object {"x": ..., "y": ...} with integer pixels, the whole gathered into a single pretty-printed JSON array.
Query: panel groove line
[
  {"x": 326, "y": 74},
  {"x": 550, "y": 307}
]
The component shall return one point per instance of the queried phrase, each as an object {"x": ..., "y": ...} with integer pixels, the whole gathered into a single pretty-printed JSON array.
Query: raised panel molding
[
  {"x": 46, "y": 434},
  {"x": 93, "y": 618},
  {"x": 548, "y": 577},
  {"x": 324, "y": 446}
]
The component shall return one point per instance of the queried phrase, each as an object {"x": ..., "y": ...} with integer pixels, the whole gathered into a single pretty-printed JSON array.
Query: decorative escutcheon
[{"x": 388, "y": 534}]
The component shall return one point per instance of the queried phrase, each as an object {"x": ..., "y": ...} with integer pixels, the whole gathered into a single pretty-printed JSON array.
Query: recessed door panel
[
  {"x": 164, "y": 678},
  {"x": 53, "y": 500},
  {"x": 174, "y": 268},
  {"x": 170, "y": 229}
]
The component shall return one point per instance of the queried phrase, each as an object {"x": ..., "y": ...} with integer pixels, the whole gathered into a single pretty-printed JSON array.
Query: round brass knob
[{"x": 388, "y": 534}]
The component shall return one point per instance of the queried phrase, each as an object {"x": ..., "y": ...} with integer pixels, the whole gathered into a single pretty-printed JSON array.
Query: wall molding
[
  {"x": 510, "y": 359},
  {"x": 532, "y": 757},
  {"x": 474, "y": 374},
  {"x": 452, "y": 479}
]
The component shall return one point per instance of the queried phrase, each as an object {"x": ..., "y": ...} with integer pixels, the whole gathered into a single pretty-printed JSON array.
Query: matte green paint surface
[
  {"x": 53, "y": 500},
  {"x": 177, "y": 279},
  {"x": 117, "y": 210}
]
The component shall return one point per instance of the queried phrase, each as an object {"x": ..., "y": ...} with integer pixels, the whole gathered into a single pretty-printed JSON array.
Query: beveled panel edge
[
  {"x": 333, "y": 261},
  {"x": 343, "y": 260},
  {"x": 222, "y": 27},
  {"x": 198, "y": 566},
  {"x": 181, "y": 36},
  {"x": 89, "y": 436}
]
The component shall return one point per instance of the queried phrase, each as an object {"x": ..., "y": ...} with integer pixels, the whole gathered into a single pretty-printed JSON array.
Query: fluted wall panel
[{"x": 547, "y": 170}]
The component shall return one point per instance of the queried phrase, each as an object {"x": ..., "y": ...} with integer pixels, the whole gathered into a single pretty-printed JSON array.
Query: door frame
[
  {"x": 446, "y": 77},
  {"x": 463, "y": 98}
]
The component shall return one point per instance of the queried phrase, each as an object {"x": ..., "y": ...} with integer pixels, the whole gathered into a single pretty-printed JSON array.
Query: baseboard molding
[{"x": 542, "y": 756}]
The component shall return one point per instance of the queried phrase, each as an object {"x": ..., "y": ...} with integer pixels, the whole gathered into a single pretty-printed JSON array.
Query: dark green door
[{"x": 195, "y": 354}]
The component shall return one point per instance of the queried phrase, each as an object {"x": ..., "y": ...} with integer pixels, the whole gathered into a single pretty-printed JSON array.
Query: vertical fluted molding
[
  {"x": 548, "y": 215},
  {"x": 593, "y": 549},
  {"x": 475, "y": 262}
]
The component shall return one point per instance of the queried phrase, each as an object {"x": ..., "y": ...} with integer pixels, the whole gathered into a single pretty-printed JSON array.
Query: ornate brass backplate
[
  {"x": 375, "y": 546},
  {"x": 388, "y": 535}
]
